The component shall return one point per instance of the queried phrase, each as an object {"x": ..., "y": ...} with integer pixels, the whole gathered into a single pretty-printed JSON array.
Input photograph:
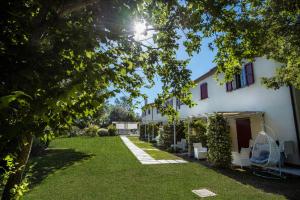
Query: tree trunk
[{"x": 24, "y": 143}]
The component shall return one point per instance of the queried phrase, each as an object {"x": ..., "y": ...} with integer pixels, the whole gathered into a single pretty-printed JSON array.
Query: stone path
[{"x": 144, "y": 157}]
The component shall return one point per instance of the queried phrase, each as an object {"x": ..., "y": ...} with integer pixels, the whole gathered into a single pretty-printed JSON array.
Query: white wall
[{"x": 275, "y": 103}]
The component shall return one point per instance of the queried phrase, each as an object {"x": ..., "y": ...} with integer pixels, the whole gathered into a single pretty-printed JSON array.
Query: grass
[
  {"x": 103, "y": 168},
  {"x": 152, "y": 150}
]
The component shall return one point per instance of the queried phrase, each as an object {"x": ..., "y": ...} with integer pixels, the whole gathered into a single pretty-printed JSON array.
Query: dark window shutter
[
  {"x": 238, "y": 81},
  {"x": 204, "y": 92},
  {"x": 249, "y": 73},
  {"x": 229, "y": 86}
]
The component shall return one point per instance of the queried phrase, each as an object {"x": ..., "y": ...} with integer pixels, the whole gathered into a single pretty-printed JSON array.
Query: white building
[
  {"x": 126, "y": 127},
  {"x": 248, "y": 105}
]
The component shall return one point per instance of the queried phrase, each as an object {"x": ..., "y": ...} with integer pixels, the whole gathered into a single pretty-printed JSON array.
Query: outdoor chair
[
  {"x": 241, "y": 159},
  {"x": 199, "y": 151}
]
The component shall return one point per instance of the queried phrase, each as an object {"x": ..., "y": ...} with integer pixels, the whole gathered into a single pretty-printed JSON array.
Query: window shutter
[
  {"x": 243, "y": 77},
  {"x": 229, "y": 86},
  {"x": 238, "y": 81},
  {"x": 204, "y": 91},
  {"x": 249, "y": 73}
]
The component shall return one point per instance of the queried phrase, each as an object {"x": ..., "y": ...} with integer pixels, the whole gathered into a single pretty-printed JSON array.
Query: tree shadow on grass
[
  {"x": 51, "y": 161},
  {"x": 288, "y": 187}
]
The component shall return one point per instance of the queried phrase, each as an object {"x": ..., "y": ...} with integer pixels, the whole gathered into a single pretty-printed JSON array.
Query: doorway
[{"x": 243, "y": 131}]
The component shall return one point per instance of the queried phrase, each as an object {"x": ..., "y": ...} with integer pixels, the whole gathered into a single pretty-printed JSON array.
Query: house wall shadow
[{"x": 51, "y": 161}]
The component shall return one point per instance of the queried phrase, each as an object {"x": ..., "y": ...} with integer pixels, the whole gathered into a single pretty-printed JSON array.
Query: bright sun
[{"x": 140, "y": 30}]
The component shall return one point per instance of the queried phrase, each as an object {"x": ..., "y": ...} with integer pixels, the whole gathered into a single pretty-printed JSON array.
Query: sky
[{"x": 199, "y": 65}]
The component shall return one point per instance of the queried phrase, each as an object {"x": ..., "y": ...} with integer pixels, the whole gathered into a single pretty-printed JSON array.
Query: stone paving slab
[{"x": 144, "y": 157}]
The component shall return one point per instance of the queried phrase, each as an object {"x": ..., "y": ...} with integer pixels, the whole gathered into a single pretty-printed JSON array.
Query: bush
[
  {"x": 75, "y": 131},
  {"x": 180, "y": 131},
  {"x": 196, "y": 133},
  {"x": 103, "y": 132},
  {"x": 142, "y": 131},
  {"x": 92, "y": 130},
  {"x": 149, "y": 130},
  {"x": 218, "y": 141},
  {"x": 112, "y": 130},
  {"x": 167, "y": 136}
]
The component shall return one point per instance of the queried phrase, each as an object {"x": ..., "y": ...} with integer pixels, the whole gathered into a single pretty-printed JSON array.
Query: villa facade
[{"x": 248, "y": 106}]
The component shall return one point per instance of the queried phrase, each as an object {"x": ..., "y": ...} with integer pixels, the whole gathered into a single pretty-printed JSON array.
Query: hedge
[{"x": 218, "y": 141}]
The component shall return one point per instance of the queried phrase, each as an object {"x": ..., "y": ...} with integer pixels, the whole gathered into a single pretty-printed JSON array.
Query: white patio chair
[
  {"x": 199, "y": 151},
  {"x": 241, "y": 159}
]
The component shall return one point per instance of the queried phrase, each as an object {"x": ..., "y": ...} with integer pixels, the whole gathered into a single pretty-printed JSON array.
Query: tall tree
[{"x": 60, "y": 59}]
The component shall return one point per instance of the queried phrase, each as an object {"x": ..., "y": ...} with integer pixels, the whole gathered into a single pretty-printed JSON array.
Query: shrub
[
  {"x": 218, "y": 141},
  {"x": 196, "y": 133},
  {"x": 167, "y": 136},
  {"x": 103, "y": 132},
  {"x": 180, "y": 131},
  {"x": 112, "y": 130},
  {"x": 92, "y": 130},
  {"x": 151, "y": 128},
  {"x": 75, "y": 131},
  {"x": 142, "y": 131}
]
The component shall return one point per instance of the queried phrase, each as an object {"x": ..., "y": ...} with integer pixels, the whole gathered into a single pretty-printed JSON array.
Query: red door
[{"x": 243, "y": 130}]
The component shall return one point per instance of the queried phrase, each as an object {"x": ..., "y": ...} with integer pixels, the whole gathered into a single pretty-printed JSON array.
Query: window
[
  {"x": 157, "y": 111},
  {"x": 246, "y": 77},
  {"x": 203, "y": 91},
  {"x": 149, "y": 111}
]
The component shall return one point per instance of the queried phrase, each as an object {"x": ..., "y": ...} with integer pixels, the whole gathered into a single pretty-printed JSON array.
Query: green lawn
[
  {"x": 103, "y": 168},
  {"x": 152, "y": 150}
]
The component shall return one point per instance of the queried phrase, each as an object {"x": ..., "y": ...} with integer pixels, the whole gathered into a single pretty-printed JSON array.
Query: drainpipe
[{"x": 295, "y": 118}]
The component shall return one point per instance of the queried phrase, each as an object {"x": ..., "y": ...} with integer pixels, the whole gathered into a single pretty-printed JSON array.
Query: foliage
[
  {"x": 244, "y": 30},
  {"x": 92, "y": 130},
  {"x": 118, "y": 113},
  {"x": 112, "y": 130},
  {"x": 75, "y": 131},
  {"x": 180, "y": 131},
  {"x": 197, "y": 132},
  {"x": 103, "y": 132},
  {"x": 152, "y": 130},
  {"x": 38, "y": 146},
  {"x": 167, "y": 137},
  {"x": 10, "y": 168},
  {"x": 218, "y": 141},
  {"x": 142, "y": 131}
]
